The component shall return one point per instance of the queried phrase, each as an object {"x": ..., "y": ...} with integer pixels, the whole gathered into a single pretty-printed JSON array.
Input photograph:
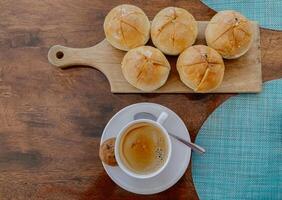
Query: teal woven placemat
[
  {"x": 267, "y": 12},
  {"x": 243, "y": 140}
]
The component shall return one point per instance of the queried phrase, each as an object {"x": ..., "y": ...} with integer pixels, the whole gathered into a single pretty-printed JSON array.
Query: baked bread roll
[
  {"x": 230, "y": 33},
  {"x": 146, "y": 68},
  {"x": 173, "y": 30},
  {"x": 127, "y": 27},
  {"x": 200, "y": 68}
]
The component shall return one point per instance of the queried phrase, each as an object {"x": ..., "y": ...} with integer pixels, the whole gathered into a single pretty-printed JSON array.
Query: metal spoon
[{"x": 194, "y": 147}]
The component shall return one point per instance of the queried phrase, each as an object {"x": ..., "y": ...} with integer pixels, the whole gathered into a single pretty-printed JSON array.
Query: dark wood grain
[{"x": 51, "y": 120}]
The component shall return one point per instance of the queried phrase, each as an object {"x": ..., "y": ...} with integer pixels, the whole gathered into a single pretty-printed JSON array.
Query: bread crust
[
  {"x": 230, "y": 33},
  {"x": 146, "y": 68},
  {"x": 173, "y": 30},
  {"x": 126, "y": 27},
  {"x": 201, "y": 68}
]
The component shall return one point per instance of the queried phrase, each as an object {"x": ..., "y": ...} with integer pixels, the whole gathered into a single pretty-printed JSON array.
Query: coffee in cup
[{"x": 143, "y": 148}]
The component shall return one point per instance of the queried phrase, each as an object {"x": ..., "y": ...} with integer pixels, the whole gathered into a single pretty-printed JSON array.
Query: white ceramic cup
[{"x": 159, "y": 123}]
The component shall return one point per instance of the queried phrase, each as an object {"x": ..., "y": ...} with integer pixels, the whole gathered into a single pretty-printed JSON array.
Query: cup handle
[{"x": 162, "y": 117}]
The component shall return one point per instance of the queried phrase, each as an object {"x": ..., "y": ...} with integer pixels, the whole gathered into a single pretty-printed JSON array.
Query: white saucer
[{"x": 180, "y": 156}]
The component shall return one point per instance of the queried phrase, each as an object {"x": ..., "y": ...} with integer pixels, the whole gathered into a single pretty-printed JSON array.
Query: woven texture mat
[
  {"x": 243, "y": 140},
  {"x": 267, "y": 12}
]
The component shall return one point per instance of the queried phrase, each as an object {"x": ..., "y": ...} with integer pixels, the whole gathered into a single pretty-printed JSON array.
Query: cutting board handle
[
  {"x": 61, "y": 56},
  {"x": 101, "y": 56}
]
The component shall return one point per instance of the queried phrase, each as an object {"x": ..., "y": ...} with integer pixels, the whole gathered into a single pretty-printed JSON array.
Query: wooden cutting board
[{"x": 242, "y": 75}]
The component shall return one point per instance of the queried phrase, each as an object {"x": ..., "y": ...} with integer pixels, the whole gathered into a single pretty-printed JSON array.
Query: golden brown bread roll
[
  {"x": 201, "y": 68},
  {"x": 146, "y": 68},
  {"x": 126, "y": 27},
  {"x": 173, "y": 30},
  {"x": 230, "y": 33}
]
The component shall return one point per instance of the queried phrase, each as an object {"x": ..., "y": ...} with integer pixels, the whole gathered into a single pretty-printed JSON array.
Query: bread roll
[
  {"x": 127, "y": 27},
  {"x": 146, "y": 68},
  {"x": 173, "y": 30},
  {"x": 230, "y": 33},
  {"x": 200, "y": 68}
]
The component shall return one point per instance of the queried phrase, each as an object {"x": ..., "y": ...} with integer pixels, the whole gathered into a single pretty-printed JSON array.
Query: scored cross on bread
[
  {"x": 201, "y": 68},
  {"x": 241, "y": 75}
]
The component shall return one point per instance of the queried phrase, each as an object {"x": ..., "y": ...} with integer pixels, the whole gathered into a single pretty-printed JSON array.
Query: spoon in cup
[{"x": 194, "y": 147}]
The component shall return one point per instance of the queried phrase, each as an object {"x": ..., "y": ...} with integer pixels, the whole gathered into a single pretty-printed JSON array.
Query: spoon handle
[{"x": 190, "y": 144}]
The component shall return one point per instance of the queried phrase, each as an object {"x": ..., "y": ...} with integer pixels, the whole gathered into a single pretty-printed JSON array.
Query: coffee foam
[{"x": 143, "y": 148}]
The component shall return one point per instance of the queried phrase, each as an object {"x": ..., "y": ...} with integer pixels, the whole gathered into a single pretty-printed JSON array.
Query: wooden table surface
[{"x": 51, "y": 120}]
